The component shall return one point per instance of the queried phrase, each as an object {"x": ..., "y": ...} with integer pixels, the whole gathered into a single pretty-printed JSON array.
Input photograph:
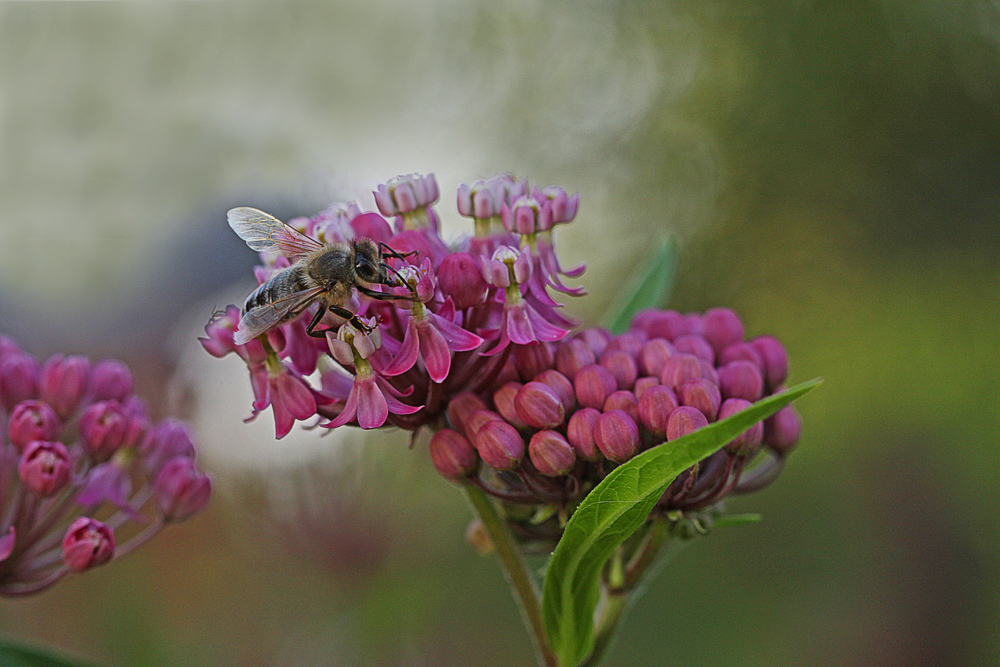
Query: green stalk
[
  {"x": 622, "y": 591},
  {"x": 522, "y": 584}
]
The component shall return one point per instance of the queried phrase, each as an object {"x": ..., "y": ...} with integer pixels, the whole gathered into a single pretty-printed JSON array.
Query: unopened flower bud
[
  {"x": 63, "y": 382},
  {"x": 696, "y": 345},
  {"x": 642, "y": 384},
  {"x": 452, "y": 454},
  {"x": 102, "y": 429},
  {"x": 695, "y": 323},
  {"x": 617, "y": 436},
  {"x": 8, "y": 346},
  {"x": 110, "y": 379},
  {"x": 630, "y": 342},
  {"x": 596, "y": 338},
  {"x": 479, "y": 419},
  {"x": 653, "y": 356},
  {"x": 580, "y": 433},
  {"x": 741, "y": 379},
  {"x": 460, "y": 278},
  {"x": 500, "y": 445},
  {"x": 622, "y": 366},
  {"x": 461, "y": 407},
  {"x": 166, "y": 441},
  {"x": 708, "y": 372},
  {"x": 774, "y": 358},
  {"x": 539, "y": 406},
  {"x": 19, "y": 374},
  {"x": 88, "y": 543},
  {"x": 503, "y": 400},
  {"x": 572, "y": 355},
  {"x": 748, "y": 442},
  {"x": 531, "y": 360},
  {"x": 668, "y": 324},
  {"x": 701, "y": 394},
  {"x": 181, "y": 489},
  {"x": 560, "y": 384},
  {"x": 782, "y": 430},
  {"x": 593, "y": 385},
  {"x": 722, "y": 328},
  {"x": 372, "y": 226},
  {"x": 655, "y": 407},
  {"x": 741, "y": 351},
  {"x": 32, "y": 420},
  {"x": 679, "y": 369},
  {"x": 45, "y": 467},
  {"x": 551, "y": 454},
  {"x": 684, "y": 420},
  {"x": 624, "y": 400},
  {"x": 138, "y": 421}
]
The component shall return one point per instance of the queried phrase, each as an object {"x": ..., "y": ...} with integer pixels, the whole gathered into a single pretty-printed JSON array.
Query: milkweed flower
[
  {"x": 470, "y": 344},
  {"x": 77, "y": 444}
]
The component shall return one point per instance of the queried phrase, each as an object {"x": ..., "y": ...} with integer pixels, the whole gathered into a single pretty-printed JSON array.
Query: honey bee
[{"x": 320, "y": 273}]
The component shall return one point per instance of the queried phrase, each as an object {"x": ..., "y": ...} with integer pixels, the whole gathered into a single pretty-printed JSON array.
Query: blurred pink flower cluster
[{"x": 85, "y": 476}]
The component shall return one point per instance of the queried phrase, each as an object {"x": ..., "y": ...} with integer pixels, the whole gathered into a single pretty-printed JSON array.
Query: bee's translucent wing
[
  {"x": 264, "y": 232},
  {"x": 260, "y": 319}
]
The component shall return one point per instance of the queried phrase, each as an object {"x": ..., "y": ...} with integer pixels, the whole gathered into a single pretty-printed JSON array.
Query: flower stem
[
  {"x": 615, "y": 600},
  {"x": 521, "y": 582}
]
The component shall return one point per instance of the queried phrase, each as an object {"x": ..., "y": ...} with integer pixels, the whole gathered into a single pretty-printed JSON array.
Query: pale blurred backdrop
[{"x": 832, "y": 171}]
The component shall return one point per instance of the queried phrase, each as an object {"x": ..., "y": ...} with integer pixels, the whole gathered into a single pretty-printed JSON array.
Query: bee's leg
[
  {"x": 383, "y": 296},
  {"x": 311, "y": 329},
  {"x": 352, "y": 318}
]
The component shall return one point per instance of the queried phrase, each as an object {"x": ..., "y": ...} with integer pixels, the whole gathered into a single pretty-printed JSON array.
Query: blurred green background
[{"x": 831, "y": 168}]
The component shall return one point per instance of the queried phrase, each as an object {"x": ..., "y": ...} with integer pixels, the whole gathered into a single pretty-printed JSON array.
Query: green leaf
[
  {"x": 650, "y": 289},
  {"x": 12, "y": 655},
  {"x": 614, "y": 510}
]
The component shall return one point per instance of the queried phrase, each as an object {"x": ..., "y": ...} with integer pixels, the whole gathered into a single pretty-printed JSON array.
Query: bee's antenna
[
  {"x": 400, "y": 277},
  {"x": 389, "y": 252}
]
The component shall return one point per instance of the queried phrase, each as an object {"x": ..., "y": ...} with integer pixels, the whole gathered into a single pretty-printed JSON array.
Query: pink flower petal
[
  {"x": 398, "y": 408},
  {"x": 350, "y": 409},
  {"x": 458, "y": 338},
  {"x": 407, "y": 355},
  {"x": 434, "y": 351},
  {"x": 295, "y": 395},
  {"x": 519, "y": 325},
  {"x": 336, "y": 385},
  {"x": 373, "y": 409},
  {"x": 544, "y": 330}
]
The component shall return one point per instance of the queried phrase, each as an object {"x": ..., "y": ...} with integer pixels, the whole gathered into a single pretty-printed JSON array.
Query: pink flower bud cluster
[
  {"x": 459, "y": 319},
  {"x": 75, "y": 444},
  {"x": 569, "y": 412}
]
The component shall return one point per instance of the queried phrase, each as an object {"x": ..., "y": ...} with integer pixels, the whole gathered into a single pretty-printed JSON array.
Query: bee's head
[{"x": 368, "y": 265}]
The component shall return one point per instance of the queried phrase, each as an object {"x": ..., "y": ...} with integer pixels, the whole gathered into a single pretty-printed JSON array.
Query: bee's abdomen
[{"x": 280, "y": 285}]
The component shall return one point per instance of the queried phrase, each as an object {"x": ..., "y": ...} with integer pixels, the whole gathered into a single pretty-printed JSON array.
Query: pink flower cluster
[
  {"x": 478, "y": 352},
  {"x": 466, "y": 308},
  {"x": 575, "y": 409},
  {"x": 76, "y": 444}
]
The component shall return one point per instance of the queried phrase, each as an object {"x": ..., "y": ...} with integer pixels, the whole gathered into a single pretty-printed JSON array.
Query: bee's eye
[{"x": 365, "y": 271}]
